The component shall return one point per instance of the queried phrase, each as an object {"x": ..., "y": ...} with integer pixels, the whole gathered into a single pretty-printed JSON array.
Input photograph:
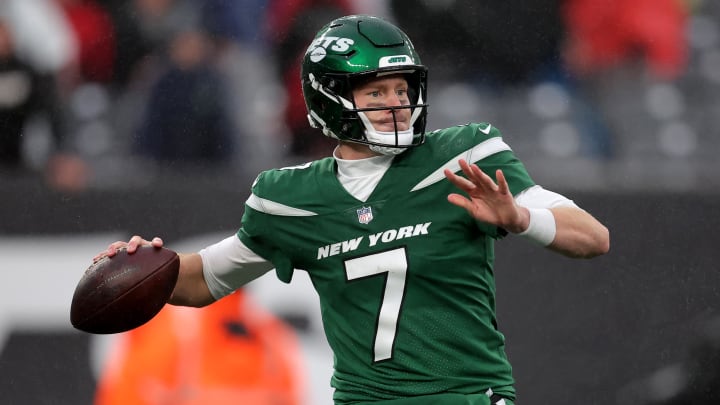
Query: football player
[{"x": 396, "y": 229}]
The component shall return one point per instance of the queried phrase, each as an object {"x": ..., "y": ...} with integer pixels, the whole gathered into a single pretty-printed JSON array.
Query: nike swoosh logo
[{"x": 486, "y": 131}]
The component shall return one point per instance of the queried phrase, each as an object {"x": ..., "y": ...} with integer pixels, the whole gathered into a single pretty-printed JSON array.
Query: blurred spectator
[
  {"x": 232, "y": 352},
  {"x": 43, "y": 36},
  {"x": 604, "y": 37},
  {"x": 95, "y": 36},
  {"x": 25, "y": 93},
  {"x": 494, "y": 45},
  {"x": 143, "y": 30},
  {"x": 241, "y": 54},
  {"x": 186, "y": 119},
  {"x": 20, "y": 97},
  {"x": 606, "y": 34},
  {"x": 496, "y": 41},
  {"x": 240, "y": 21},
  {"x": 291, "y": 26}
]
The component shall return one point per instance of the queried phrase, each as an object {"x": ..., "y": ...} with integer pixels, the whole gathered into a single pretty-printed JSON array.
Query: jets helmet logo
[{"x": 319, "y": 47}]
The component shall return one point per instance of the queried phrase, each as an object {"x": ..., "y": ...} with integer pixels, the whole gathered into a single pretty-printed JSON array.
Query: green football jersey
[{"x": 405, "y": 279}]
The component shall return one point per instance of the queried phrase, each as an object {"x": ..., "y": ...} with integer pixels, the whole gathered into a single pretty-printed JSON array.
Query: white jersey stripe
[
  {"x": 274, "y": 208},
  {"x": 474, "y": 154}
]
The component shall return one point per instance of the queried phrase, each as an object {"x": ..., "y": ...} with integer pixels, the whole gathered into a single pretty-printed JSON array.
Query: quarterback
[{"x": 396, "y": 229}]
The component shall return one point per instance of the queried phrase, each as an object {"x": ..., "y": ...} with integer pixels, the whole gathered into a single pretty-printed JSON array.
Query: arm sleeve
[
  {"x": 230, "y": 264},
  {"x": 538, "y": 197}
]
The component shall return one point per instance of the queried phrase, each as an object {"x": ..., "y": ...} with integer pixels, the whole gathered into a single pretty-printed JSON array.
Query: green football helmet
[{"x": 347, "y": 51}]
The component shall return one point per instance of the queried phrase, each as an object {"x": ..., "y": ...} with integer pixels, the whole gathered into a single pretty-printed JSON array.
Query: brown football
[{"x": 125, "y": 291}]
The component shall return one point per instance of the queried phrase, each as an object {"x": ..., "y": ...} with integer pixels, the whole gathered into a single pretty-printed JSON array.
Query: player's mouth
[{"x": 389, "y": 125}]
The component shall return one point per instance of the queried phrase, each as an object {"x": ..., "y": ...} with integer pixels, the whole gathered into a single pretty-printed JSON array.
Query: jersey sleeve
[
  {"x": 504, "y": 159},
  {"x": 230, "y": 264},
  {"x": 257, "y": 230},
  {"x": 538, "y": 197}
]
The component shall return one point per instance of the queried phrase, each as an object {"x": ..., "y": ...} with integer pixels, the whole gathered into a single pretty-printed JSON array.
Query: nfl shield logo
[{"x": 365, "y": 215}]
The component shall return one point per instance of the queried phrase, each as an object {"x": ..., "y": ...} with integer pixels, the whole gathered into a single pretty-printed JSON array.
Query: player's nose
[{"x": 393, "y": 100}]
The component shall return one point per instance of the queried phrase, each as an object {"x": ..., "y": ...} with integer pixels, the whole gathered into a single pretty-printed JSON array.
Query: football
[{"x": 119, "y": 293}]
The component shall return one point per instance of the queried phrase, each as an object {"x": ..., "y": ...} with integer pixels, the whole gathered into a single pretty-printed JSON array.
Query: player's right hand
[{"x": 131, "y": 246}]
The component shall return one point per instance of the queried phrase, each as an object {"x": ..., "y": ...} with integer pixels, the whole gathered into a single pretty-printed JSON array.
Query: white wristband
[{"x": 541, "y": 228}]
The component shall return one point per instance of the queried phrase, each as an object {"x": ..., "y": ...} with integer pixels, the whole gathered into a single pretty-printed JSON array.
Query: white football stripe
[{"x": 474, "y": 154}]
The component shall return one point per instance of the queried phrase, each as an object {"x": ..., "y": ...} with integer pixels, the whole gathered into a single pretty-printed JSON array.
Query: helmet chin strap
[{"x": 403, "y": 138}]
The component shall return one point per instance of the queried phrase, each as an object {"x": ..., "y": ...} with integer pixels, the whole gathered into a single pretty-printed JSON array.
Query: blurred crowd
[{"x": 93, "y": 92}]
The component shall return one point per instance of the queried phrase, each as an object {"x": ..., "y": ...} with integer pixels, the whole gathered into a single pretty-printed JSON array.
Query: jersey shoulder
[
  {"x": 296, "y": 187},
  {"x": 478, "y": 143},
  {"x": 449, "y": 143},
  {"x": 472, "y": 132}
]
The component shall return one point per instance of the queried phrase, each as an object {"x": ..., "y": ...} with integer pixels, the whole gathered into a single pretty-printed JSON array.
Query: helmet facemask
[{"x": 354, "y": 124}]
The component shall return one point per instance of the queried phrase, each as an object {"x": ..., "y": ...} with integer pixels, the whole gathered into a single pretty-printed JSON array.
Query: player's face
[{"x": 389, "y": 91}]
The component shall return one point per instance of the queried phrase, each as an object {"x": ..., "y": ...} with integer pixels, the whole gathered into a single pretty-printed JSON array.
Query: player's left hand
[{"x": 487, "y": 201}]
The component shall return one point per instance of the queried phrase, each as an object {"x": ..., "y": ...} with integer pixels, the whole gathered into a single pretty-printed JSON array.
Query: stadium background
[{"x": 637, "y": 326}]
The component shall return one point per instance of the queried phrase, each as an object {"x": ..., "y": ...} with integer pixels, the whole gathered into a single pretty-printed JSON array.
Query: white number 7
[{"x": 394, "y": 263}]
